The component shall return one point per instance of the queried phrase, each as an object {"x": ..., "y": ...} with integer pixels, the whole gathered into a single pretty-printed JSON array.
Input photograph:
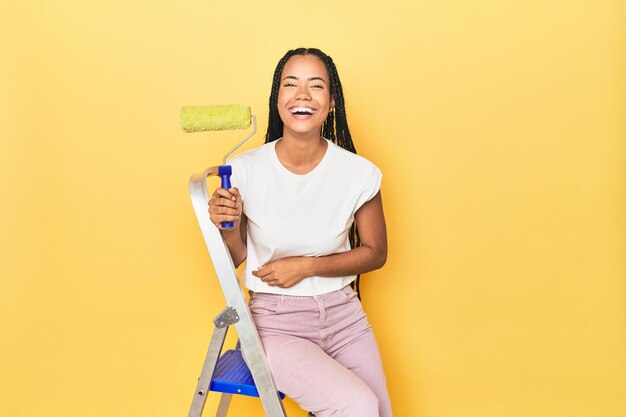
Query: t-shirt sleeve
[{"x": 372, "y": 177}]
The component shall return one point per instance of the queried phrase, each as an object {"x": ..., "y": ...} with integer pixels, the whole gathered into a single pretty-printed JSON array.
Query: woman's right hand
[{"x": 226, "y": 206}]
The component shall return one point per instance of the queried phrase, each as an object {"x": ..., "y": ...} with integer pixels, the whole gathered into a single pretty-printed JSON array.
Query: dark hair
[{"x": 335, "y": 128}]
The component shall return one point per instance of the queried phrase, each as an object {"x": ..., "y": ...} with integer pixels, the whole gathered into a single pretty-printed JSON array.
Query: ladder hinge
[{"x": 227, "y": 317}]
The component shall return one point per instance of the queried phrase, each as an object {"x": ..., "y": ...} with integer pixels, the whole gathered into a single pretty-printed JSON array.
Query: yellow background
[{"x": 500, "y": 127}]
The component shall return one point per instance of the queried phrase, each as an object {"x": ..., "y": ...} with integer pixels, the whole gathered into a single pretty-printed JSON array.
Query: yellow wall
[{"x": 500, "y": 127}]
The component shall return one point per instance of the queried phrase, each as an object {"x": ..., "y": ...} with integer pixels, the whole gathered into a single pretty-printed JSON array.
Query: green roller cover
[{"x": 202, "y": 118}]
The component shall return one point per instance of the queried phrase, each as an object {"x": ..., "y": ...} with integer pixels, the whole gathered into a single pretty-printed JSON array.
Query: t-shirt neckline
[{"x": 312, "y": 172}]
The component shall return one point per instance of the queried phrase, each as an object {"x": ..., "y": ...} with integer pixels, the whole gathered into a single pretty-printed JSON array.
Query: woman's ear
[{"x": 332, "y": 104}]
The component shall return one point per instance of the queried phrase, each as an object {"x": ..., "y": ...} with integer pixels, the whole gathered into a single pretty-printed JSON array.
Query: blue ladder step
[{"x": 232, "y": 376}]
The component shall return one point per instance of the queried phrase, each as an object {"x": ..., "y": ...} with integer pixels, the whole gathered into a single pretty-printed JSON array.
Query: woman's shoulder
[
  {"x": 351, "y": 161},
  {"x": 248, "y": 163},
  {"x": 358, "y": 175},
  {"x": 252, "y": 155}
]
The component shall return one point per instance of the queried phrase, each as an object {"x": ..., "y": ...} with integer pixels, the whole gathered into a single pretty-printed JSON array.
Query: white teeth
[{"x": 306, "y": 110}]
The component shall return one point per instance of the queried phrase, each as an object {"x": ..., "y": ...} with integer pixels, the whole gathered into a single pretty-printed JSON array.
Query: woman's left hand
[{"x": 284, "y": 272}]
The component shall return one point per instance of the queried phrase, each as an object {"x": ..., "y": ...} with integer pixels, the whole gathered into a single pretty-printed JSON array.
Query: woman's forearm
[
  {"x": 371, "y": 255},
  {"x": 226, "y": 206},
  {"x": 286, "y": 272},
  {"x": 236, "y": 240},
  {"x": 356, "y": 261},
  {"x": 236, "y": 246}
]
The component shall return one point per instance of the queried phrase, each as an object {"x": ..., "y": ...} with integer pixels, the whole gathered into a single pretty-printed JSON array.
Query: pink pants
[{"x": 322, "y": 353}]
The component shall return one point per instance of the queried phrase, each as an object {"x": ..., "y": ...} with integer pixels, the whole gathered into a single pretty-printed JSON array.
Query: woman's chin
[{"x": 302, "y": 129}]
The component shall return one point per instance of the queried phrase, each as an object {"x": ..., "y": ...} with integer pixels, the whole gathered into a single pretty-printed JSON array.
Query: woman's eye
[
  {"x": 318, "y": 86},
  {"x": 289, "y": 85}
]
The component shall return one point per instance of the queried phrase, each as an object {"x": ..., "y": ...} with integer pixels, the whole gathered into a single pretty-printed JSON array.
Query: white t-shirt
[{"x": 300, "y": 215}]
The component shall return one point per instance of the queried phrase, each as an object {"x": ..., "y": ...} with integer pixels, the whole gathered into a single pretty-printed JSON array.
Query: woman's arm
[
  {"x": 227, "y": 206},
  {"x": 236, "y": 241},
  {"x": 371, "y": 255}
]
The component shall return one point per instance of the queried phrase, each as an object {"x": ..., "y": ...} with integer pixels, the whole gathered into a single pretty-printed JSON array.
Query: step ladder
[{"x": 228, "y": 373}]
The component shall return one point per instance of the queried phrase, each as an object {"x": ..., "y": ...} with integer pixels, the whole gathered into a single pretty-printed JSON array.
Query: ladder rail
[
  {"x": 234, "y": 295},
  {"x": 204, "y": 381}
]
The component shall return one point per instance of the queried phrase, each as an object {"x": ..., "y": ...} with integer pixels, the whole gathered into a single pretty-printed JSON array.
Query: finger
[
  {"x": 264, "y": 274},
  {"x": 219, "y": 210},
  {"x": 235, "y": 191},
  {"x": 258, "y": 271},
  {"x": 221, "y": 192},
  {"x": 223, "y": 202},
  {"x": 224, "y": 218},
  {"x": 224, "y": 214}
]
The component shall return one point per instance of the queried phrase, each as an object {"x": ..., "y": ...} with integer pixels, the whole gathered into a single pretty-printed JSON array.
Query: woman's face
[{"x": 304, "y": 95}]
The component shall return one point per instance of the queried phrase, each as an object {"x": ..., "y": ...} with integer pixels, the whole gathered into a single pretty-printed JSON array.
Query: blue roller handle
[{"x": 224, "y": 172}]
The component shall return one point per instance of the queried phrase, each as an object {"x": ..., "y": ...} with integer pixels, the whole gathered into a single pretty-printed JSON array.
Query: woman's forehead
[{"x": 305, "y": 66}]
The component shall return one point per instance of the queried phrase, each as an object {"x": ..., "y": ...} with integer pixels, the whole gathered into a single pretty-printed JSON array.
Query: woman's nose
[{"x": 303, "y": 93}]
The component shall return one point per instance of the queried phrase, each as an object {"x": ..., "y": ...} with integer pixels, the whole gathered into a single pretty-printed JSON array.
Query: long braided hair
[{"x": 335, "y": 128}]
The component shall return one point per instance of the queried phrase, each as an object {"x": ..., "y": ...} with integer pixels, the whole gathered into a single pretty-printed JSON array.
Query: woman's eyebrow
[{"x": 293, "y": 77}]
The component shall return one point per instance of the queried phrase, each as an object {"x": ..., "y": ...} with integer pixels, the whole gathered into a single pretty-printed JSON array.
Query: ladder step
[{"x": 232, "y": 376}]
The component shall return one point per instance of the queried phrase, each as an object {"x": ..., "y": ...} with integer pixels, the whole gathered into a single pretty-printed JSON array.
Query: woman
[{"x": 294, "y": 202}]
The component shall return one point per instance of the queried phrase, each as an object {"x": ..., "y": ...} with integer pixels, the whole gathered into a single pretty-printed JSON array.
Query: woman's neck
[{"x": 300, "y": 154}]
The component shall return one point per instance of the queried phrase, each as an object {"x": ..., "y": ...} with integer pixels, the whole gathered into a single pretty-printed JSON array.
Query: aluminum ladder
[{"x": 228, "y": 374}]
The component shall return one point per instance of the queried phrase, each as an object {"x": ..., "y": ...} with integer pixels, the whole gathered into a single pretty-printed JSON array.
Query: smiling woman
[
  {"x": 304, "y": 100},
  {"x": 296, "y": 204}
]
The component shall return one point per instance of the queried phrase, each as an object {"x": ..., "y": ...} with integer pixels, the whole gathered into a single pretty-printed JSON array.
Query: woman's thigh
[
  {"x": 362, "y": 358},
  {"x": 322, "y": 352},
  {"x": 317, "y": 382},
  {"x": 352, "y": 343}
]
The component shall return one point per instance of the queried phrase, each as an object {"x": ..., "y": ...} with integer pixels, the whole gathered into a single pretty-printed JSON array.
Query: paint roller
[{"x": 215, "y": 118}]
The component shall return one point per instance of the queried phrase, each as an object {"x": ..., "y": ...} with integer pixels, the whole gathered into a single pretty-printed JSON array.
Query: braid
[
  {"x": 275, "y": 124},
  {"x": 335, "y": 128}
]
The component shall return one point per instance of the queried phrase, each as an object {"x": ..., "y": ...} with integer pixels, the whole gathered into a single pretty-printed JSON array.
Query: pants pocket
[
  {"x": 263, "y": 307},
  {"x": 349, "y": 293}
]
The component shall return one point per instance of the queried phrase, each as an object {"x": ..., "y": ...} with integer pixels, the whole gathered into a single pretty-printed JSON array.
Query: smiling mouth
[{"x": 302, "y": 111}]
